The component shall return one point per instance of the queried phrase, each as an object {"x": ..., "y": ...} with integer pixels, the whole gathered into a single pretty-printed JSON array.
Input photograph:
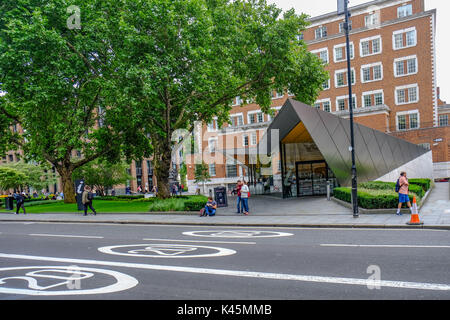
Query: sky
[{"x": 318, "y": 7}]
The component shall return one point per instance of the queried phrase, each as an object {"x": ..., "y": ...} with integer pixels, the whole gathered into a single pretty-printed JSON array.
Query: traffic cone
[{"x": 414, "y": 215}]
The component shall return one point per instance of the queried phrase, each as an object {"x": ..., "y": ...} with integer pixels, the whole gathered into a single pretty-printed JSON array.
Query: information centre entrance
[{"x": 312, "y": 177}]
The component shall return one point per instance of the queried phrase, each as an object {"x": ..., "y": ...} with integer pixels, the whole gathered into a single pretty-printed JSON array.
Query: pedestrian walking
[
  {"x": 245, "y": 193},
  {"x": 86, "y": 199},
  {"x": 20, "y": 202},
  {"x": 403, "y": 190},
  {"x": 238, "y": 192}
]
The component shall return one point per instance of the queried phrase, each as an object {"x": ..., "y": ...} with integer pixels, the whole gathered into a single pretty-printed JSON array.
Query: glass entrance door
[
  {"x": 304, "y": 180},
  {"x": 312, "y": 178}
]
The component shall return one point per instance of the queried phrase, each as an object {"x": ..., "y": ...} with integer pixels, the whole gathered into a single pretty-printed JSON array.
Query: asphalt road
[{"x": 158, "y": 262}]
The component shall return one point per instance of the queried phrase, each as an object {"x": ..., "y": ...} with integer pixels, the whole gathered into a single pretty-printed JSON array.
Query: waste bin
[
  {"x": 220, "y": 196},
  {"x": 9, "y": 203}
]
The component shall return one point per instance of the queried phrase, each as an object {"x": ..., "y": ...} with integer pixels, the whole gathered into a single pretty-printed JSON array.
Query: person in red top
[
  {"x": 403, "y": 193},
  {"x": 239, "y": 200}
]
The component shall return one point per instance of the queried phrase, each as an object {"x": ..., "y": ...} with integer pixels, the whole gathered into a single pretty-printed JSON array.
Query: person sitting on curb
[{"x": 210, "y": 207}]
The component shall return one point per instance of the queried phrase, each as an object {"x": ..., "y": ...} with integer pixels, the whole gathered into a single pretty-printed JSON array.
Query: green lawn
[
  {"x": 99, "y": 205},
  {"x": 105, "y": 206}
]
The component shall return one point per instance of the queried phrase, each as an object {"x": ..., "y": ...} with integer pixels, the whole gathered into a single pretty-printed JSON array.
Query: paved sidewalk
[{"x": 270, "y": 211}]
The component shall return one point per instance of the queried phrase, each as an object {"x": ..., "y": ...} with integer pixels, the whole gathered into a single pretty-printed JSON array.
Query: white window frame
[
  {"x": 237, "y": 115},
  {"x": 320, "y": 102},
  {"x": 370, "y": 66},
  {"x": 243, "y": 140},
  {"x": 318, "y": 51},
  {"x": 371, "y": 93},
  {"x": 345, "y": 77},
  {"x": 403, "y": 59},
  {"x": 214, "y": 124},
  {"x": 405, "y": 9},
  {"x": 370, "y": 39},
  {"x": 253, "y": 139},
  {"x": 277, "y": 95},
  {"x": 249, "y": 113},
  {"x": 321, "y": 28},
  {"x": 348, "y": 102},
  {"x": 407, "y": 115},
  {"x": 415, "y": 85},
  {"x": 441, "y": 118},
  {"x": 373, "y": 22},
  {"x": 216, "y": 140},
  {"x": 344, "y": 45},
  {"x": 404, "y": 32},
  {"x": 212, "y": 165}
]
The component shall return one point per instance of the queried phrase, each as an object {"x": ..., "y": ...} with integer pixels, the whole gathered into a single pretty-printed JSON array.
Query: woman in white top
[{"x": 244, "y": 197}]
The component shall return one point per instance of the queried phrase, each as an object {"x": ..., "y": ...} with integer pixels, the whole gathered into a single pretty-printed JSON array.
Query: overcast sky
[{"x": 318, "y": 7}]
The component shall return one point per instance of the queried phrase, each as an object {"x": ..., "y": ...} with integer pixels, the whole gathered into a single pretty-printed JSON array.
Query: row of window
[
  {"x": 236, "y": 120},
  {"x": 247, "y": 140},
  {"x": 371, "y": 20},
  {"x": 405, "y": 66},
  {"x": 403, "y": 95},
  {"x": 402, "y": 39}
]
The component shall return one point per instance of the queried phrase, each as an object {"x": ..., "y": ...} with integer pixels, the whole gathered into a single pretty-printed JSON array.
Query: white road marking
[
  {"x": 381, "y": 245},
  {"x": 166, "y": 251},
  {"x": 237, "y": 234},
  {"x": 63, "y": 236},
  {"x": 248, "y": 274},
  {"x": 176, "y": 240}
]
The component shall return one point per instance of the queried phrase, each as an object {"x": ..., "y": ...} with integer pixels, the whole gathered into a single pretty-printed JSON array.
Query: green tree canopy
[
  {"x": 182, "y": 61},
  {"x": 56, "y": 80}
]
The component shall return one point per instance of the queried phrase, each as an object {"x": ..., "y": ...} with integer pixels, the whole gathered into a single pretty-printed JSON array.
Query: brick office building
[{"x": 393, "y": 63}]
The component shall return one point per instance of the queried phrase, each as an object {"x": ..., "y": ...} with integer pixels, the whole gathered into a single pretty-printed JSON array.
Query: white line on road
[
  {"x": 63, "y": 236},
  {"x": 381, "y": 245},
  {"x": 242, "y": 242},
  {"x": 248, "y": 274}
]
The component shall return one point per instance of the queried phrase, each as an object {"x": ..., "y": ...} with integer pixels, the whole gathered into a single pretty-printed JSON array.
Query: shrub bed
[{"x": 372, "y": 198}]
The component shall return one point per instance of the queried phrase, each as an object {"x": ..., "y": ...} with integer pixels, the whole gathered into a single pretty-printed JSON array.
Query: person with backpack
[
  {"x": 402, "y": 187},
  {"x": 20, "y": 201},
  {"x": 86, "y": 199}
]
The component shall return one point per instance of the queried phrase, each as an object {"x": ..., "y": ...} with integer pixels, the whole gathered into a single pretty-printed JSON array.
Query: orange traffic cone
[{"x": 414, "y": 215}]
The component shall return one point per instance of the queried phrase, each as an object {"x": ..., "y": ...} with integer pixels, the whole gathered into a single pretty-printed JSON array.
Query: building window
[
  {"x": 341, "y": 26},
  {"x": 245, "y": 140},
  {"x": 426, "y": 146},
  {"x": 404, "y": 11},
  {"x": 212, "y": 126},
  {"x": 443, "y": 120},
  {"x": 341, "y": 77},
  {"x": 212, "y": 169},
  {"x": 326, "y": 85},
  {"x": 322, "y": 54},
  {"x": 401, "y": 122},
  {"x": 324, "y": 105},
  {"x": 276, "y": 95},
  {"x": 231, "y": 170},
  {"x": 317, "y": 106},
  {"x": 327, "y": 106},
  {"x": 370, "y": 46},
  {"x": 321, "y": 32},
  {"x": 341, "y": 50},
  {"x": 237, "y": 120},
  {"x": 414, "y": 121},
  {"x": 408, "y": 120},
  {"x": 405, "y": 66},
  {"x": 404, "y": 38},
  {"x": 253, "y": 138},
  {"x": 372, "y": 19},
  {"x": 371, "y": 72},
  {"x": 212, "y": 145},
  {"x": 407, "y": 94},
  {"x": 342, "y": 103}
]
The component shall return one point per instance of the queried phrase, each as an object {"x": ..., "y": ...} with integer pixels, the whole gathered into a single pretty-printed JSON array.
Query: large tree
[
  {"x": 56, "y": 76},
  {"x": 182, "y": 61}
]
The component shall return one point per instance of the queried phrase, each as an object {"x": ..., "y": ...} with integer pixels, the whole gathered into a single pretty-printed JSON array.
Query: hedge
[
  {"x": 417, "y": 186},
  {"x": 371, "y": 199},
  {"x": 424, "y": 183}
]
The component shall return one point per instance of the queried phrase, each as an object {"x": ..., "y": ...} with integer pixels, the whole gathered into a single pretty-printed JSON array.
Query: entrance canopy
[{"x": 303, "y": 134}]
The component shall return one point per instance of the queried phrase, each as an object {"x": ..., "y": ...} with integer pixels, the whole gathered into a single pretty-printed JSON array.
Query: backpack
[{"x": 397, "y": 185}]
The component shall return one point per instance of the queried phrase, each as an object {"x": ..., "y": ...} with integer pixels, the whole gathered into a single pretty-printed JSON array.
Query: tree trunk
[
  {"x": 162, "y": 162},
  {"x": 68, "y": 186}
]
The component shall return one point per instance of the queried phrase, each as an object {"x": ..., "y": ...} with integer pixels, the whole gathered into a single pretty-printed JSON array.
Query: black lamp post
[{"x": 343, "y": 9}]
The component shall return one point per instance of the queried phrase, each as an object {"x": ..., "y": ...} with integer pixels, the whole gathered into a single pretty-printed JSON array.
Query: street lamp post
[{"x": 343, "y": 9}]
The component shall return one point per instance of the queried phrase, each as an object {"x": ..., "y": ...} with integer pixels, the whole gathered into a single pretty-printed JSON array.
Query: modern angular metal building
[{"x": 313, "y": 147}]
